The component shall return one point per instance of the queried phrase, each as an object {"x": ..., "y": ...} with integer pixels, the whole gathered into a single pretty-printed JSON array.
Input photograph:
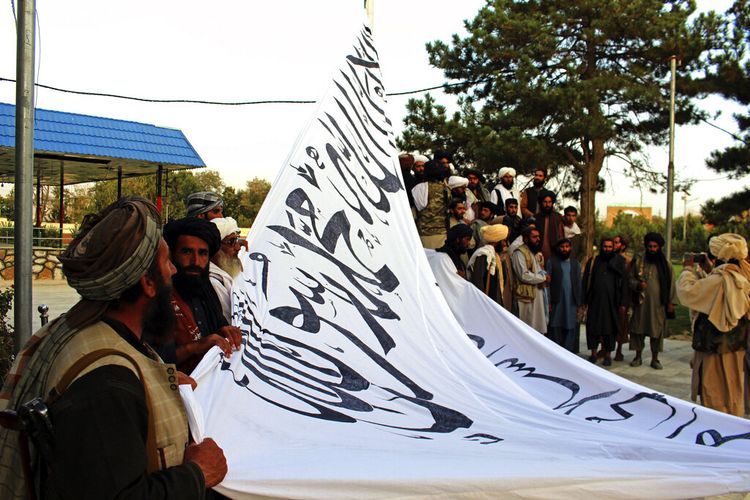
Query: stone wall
[{"x": 45, "y": 265}]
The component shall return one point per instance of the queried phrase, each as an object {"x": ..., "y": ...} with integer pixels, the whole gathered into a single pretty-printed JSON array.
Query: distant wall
[
  {"x": 45, "y": 265},
  {"x": 613, "y": 212}
]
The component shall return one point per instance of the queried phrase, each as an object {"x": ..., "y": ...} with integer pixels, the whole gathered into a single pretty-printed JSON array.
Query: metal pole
[
  {"x": 62, "y": 196},
  {"x": 159, "y": 171},
  {"x": 670, "y": 168},
  {"x": 166, "y": 197},
  {"x": 684, "y": 217},
  {"x": 39, "y": 198},
  {"x": 22, "y": 246},
  {"x": 119, "y": 182}
]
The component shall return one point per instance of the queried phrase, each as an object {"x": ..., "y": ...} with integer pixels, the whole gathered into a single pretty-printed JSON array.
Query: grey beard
[{"x": 230, "y": 265}]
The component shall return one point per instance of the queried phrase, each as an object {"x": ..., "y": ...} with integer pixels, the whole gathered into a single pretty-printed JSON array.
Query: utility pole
[
  {"x": 22, "y": 242},
  {"x": 670, "y": 168}
]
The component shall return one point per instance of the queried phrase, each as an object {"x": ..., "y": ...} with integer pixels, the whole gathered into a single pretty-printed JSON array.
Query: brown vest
[{"x": 160, "y": 380}]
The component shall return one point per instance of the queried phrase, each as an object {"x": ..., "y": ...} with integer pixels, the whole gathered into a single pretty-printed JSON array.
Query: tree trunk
[{"x": 589, "y": 184}]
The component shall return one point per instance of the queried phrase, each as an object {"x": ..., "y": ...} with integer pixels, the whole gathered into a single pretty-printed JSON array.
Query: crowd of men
[
  {"x": 154, "y": 301},
  {"x": 515, "y": 246}
]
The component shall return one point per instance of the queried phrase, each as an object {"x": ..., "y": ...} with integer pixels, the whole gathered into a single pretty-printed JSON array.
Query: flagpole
[{"x": 370, "y": 8}]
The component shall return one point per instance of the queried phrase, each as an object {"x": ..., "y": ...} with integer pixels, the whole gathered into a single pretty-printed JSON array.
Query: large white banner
[{"x": 356, "y": 380}]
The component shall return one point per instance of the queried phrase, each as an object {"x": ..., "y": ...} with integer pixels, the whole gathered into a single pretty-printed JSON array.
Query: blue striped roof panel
[{"x": 60, "y": 132}]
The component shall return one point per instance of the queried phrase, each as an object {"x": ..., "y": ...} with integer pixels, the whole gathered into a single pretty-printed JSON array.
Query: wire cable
[{"x": 224, "y": 103}]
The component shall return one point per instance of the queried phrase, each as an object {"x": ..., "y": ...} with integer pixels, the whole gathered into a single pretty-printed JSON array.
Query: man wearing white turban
[
  {"x": 225, "y": 265},
  {"x": 504, "y": 189},
  {"x": 722, "y": 324}
]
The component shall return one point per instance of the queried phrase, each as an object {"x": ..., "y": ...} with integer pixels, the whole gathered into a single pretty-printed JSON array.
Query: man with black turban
[
  {"x": 119, "y": 424},
  {"x": 200, "y": 321},
  {"x": 651, "y": 281},
  {"x": 549, "y": 222},
  {"x": 456, "y": 244}
]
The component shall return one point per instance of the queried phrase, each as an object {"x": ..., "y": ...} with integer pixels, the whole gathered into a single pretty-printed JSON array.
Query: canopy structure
[
  {"x": 90, "y": 148},
  {"x": 71, "y": 148}
]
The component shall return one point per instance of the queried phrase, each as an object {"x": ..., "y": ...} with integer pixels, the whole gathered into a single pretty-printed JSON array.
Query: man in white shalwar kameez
[{"x": 530, "y": 281}]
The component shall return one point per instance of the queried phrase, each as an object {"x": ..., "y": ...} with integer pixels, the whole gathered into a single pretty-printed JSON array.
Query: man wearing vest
[
  {"x": 431, "y": 199},
  {"x": 530, "y": 281},
  {"x": 118, "y": 421}
]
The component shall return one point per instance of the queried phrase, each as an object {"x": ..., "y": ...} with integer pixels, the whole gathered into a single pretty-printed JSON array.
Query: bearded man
[
  {"x": 621, "y": 247},
  {"x": 605, "y": 290},
  {"x": 720, "y": 302},
  {"x": 456, "y": 244},
  {"x": 548, "y": 222},
  {"x": 652, "y": 283},
  {"x": 530, "y": 281},
  {"x": 476, "y": 184},
  {"x": 566, "y": 295},
  {"x": 487, "y": 270},
  {"x": 119, "y": 423},
  {"x": 530, "y": 196},
  {"x": 458, "y": 186},
  {"x": 225, "y": 265},
  {"x": 200, "y": 321},
  {"x": 504, "y": 189}
]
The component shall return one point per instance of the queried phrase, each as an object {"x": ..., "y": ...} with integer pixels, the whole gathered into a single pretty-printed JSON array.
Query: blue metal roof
[
  {"x": 92, "y": 148},
  {"x": 59, "y": 132}
]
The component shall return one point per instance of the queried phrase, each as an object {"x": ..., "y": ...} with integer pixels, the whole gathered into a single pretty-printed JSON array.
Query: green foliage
[
  {"x": 6, "y": 333},
  {"x": 8, "y": 205},
  {"x": 730, "y": 214},
  {"x": 731, "y": 78},
  {"x": 564, "y": 85},
  {"x": 244, "y": 204}
]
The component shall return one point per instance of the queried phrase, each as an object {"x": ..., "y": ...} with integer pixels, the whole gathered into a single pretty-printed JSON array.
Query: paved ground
[{"x": 674, "y": 379}]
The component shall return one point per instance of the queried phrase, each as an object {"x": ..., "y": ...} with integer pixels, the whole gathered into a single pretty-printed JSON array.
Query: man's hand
[
  {"x": 642, "y": 285},
  {"x": 183, "y": 379},
  {"x": 209, "y": 458},
  {"x": 233, "y": 335},
  {"x": 209, "y": 341},
  {"x": 670, "y": 308}
]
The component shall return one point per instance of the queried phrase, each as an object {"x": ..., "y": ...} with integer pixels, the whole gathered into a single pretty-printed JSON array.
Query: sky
[{"x": 239, "y": 50}]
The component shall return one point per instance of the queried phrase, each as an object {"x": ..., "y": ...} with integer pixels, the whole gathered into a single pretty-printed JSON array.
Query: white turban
[
  {"x": 728, "y": 246},
  {"x": 226, "y": 226},
  {"x": 421, "y": 158},
  {"x": 507, "y": 170},
  {"x": 455, "y": 181}
]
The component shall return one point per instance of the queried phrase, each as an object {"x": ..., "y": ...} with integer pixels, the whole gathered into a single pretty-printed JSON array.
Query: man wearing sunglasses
[{"x": 225, "y": 265}]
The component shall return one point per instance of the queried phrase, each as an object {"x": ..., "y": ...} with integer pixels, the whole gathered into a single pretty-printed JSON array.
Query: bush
[
  {"x": 42, "y": 236},
  {"x": 6, "y": 333}
]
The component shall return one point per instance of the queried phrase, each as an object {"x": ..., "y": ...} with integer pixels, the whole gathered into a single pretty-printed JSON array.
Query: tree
[
  {"x": 567, "y": 84},
  {"x": 731, "y": 79}
]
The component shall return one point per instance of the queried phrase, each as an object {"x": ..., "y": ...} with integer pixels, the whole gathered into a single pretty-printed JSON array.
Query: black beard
[
  {"x": 606, "y": 255},
  {"x": 652, "y": 256},
  {"x": 189, "y": 286},
  {"x": 535, "y": 248},
  {"x": 508, "y": 185},
  {"x": 159, "y": 318},
  {"x": 545, "y": 211},
  {"x": 538, "y": 183},
  {"x": 563, "y": 255}
]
